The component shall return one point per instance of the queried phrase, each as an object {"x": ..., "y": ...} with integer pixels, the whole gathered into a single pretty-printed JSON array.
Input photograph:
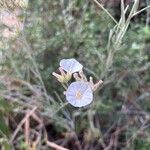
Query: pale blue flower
[
  {"x": 79, "y": 94},
  {"x": 70, "y": 65}
]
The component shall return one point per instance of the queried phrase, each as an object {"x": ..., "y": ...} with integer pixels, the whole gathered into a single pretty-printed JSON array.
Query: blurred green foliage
[
  {"x": 63, "y": 29},
  {"x": 5, "y": 109}
]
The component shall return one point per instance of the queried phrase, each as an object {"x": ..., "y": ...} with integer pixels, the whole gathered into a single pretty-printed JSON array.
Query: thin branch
[
  {"x": 21, "y": 124},
  {"x": 101, "y": 6},
  {"x": 140, "y": 11},
  {"x": 27, "y": 130},
  {"x": 55, "y": 146}
]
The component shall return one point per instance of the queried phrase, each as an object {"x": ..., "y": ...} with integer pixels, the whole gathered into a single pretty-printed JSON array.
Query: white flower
[
  {"x": 70, "y": 65},
  {"x": 79, "y": 94}
]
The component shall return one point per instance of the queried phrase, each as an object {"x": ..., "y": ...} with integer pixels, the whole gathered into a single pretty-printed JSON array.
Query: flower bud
[{"x": 63, "y": 78}]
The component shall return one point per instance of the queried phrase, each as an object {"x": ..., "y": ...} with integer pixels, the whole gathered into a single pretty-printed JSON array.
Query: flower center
[{"x": 78, "y": 95}]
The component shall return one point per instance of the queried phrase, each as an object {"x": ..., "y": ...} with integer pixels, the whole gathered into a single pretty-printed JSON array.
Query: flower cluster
[{"x": 80, "y": 92}]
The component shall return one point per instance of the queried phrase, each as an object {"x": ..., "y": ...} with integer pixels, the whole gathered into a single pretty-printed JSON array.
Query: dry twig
[{"x": 21, "y": 124}]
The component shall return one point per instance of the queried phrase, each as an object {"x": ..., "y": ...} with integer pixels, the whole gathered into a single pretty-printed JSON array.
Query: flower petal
[
  {"x": 86, "y": 91},
  {"x": 70, "y": 65}
]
